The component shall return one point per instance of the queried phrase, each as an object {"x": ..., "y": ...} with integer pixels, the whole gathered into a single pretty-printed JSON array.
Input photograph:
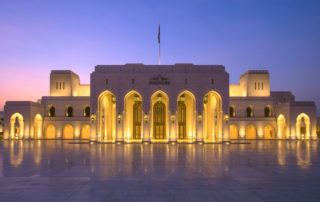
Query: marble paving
[{"x": 49, "y": 170}]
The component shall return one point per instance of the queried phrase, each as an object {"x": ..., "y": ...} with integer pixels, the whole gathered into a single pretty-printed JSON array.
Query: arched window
[
  {"x": 249, "y": 111},
  {"x": 52, "y": 111},
  {"x": 86, "y": 111},
  {"x": 69, "y": 111},
  {"x": 232, "y": 111},
  {"x": 267, "y": 111}
]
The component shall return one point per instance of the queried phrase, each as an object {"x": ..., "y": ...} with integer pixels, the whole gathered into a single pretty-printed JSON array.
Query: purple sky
[{"x": 282, "y": 36}]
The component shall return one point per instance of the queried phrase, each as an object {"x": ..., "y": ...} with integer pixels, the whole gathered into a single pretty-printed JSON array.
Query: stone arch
[
  {"x": 232, "y": 111},
  {"x": 186, "y": 112},
  {"x": 69, "y": 111},
  {"x": 159, "y": 116},
  {"x": 212, "y": 117},
  {"x": 268, "y": 132},
  {"x": 234, "y": 132},
  {"x": 133, "y": 114},
  {"x": 86, "y": 111},
  {"x": 85, "y": 131},
  {"x": 16, "y": 126},
  {"x": 267, "y": 111},
  {"x": 282, "y": 126},
  {"x": 37, "y": 126},
  {"x": 51, "y": 111},
  {"x": 106, "y": 117},
  {"x": 251, "y": 132},
  {"x": 249, "y": 111},
  {"x": 303, "y": 126},
  {"x": 50, "y": 132},
  {"x": 68, "y": 132}
]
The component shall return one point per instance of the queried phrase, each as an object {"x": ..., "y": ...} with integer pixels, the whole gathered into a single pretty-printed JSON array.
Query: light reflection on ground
[{"x": 58, "y": 170}]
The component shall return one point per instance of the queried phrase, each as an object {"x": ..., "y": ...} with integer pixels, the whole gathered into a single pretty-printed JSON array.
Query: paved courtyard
[{"x": 77, "y": 171}]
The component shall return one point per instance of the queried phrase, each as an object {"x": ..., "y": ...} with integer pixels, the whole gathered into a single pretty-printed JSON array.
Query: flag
[{"x": 159, "y": 34}]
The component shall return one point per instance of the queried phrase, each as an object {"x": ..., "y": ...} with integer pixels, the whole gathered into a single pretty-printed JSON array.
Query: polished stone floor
[{"x": 78, "y": 171}]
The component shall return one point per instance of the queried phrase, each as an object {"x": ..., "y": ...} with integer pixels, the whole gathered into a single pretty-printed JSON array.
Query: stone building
[{"x": 161, "y": 103}]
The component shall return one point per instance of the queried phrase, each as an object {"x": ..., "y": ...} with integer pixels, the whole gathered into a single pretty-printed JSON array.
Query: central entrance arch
[
  {"x": 186, "y": 116},
  {"x": 106, "y": 117},
  {"x": 159, "y": 101},
  {"x": 133, "y": 116},
  {"x": 212, "y": 117}
]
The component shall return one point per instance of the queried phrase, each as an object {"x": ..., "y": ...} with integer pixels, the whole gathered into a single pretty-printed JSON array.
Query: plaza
[{"x": 256, "y": 170}]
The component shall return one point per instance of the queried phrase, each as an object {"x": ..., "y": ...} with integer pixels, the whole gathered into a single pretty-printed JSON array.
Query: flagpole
[
  {"x": 159, "y": 44},
  {"x": 159, "y": 55}
]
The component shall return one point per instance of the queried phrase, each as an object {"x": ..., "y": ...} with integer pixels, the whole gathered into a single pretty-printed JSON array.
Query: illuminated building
[{"x": 161, "y": 103}]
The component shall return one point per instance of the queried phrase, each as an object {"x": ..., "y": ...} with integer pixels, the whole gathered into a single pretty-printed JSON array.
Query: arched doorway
[
  {"x": 50, "y": 132},
  {"x": 282, "y": 127},
  {"x": 303, "y": 126},
  {"x": 106, "y": 117},
  {"x": 85, "y": 132},
  {"x": 186, "y": 116},
  {"x": 234, "y": 132},
  {"x": 68, "y": 132},
  {"x": 159, "y": 101},
  {"x": 251, "y": 132},
  {"x": 37, "y": 126},
  {"x": 212, "y": 117},
  {"x": 16, "y": 126},
  {"x": 133, "y": 116},
  {"x": 268, "y": 132}
]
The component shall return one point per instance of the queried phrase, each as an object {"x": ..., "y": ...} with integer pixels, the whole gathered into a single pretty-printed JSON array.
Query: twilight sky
[{"x": 282, "y": 36}]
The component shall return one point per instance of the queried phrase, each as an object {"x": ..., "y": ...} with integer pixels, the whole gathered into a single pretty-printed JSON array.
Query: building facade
[{"x": 161, "y": 103}]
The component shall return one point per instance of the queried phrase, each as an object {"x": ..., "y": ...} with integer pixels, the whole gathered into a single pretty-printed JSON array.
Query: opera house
[{"x": 161, "y": 103}]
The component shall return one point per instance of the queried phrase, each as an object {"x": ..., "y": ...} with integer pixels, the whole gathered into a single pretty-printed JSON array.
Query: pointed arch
[
  {"x": 268, "y": 132},
  {"x": 186, "y": 112},
  {"x": 85, "y": 131},
  {"x": 303, "y": 126},
  {"x": 282, "y": 126},
  {"x": 159, "y": 116},
  {"x": 251, "y": 132},
  {"x": 16, "y": 126},
  {"x": 133, "y": 116},
  {"x": 68, "y": 132},
  {"x": 106, "y": 117},
  {"x": 234, "y": 132},
  {"x": 212, "y": 117},
  {"x": 50, "y": 132},
  {"x": 37, "y": 126}
]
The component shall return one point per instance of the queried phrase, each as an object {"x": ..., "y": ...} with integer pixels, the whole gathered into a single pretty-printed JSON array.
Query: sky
[{"x": 281, "y": 36}]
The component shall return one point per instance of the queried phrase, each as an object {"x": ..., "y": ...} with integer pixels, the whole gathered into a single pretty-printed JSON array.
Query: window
[
  {"x": 69, "y": 111},
  {"x": 86, "y": 112},
  {"x": 267, "y": 111},
  {"x": 250, "y": 111},
  {"x": 232, "y": 111},
  {"x": 52, "y": 111},
  {"x": 63, "y": 85}
]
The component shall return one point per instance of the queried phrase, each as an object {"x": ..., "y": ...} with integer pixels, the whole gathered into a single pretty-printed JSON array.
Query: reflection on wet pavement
[{"x": 58, "y": 170}]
